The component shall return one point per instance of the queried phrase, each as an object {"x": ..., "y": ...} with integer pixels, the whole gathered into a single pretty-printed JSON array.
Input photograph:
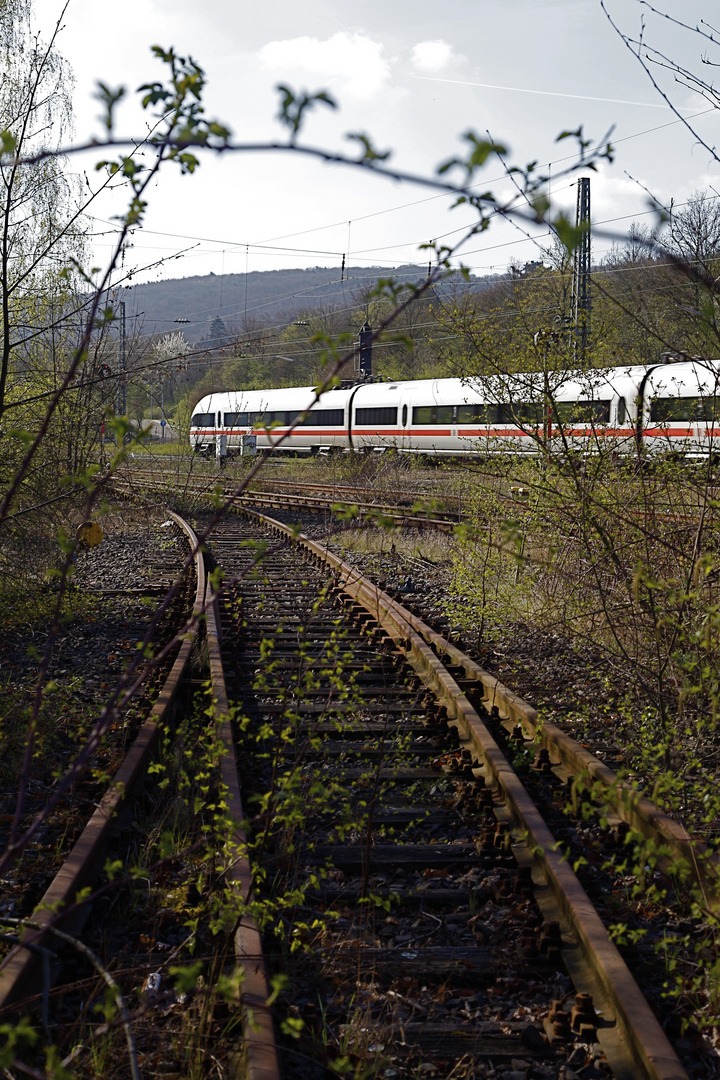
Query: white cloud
[
  {"x": 432, "y": 56},
  {"x": 351, "y": 64}
]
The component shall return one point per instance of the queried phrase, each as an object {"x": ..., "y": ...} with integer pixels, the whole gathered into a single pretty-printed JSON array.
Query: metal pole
[
  {"x": 122, "y": 358},
  {"x": 365, "y": 351},
  {"x": 162, "y": 409},
  {"x": 582, "y": 301}
]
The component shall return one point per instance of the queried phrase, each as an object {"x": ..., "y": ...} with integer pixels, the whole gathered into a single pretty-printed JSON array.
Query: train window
[
  {"x": 699, "y": 409},
  {"x": 519, "y": 412},
  {"x": 477, "y": 414},
  {"x": 582, "y": 412},
  {"x": 621, "y": 410},
  {"x": 236, "y": 419},
  {"x": 276, "y": 418},
  {"x": 404, "y": 416},
  {"x": 325, "y": 418},
  {"x": 433, "y": 414},
  {"x": 203, "y": 419},
  {"x": 377, "y": 415}
]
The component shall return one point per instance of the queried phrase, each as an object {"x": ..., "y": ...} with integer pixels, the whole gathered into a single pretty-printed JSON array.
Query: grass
[
  {"x": 423, "y": 544},
  {"x": 151, "y": 448},
  {"x": 30, "y": 604}
]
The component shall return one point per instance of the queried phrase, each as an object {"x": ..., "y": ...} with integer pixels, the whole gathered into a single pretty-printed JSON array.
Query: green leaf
[
  {"x": 570, "y": 235},
  {"x": 8, "y": 143},
  {"x": 369, "y": 153},
  {"x": 278, "y": 983},
  {"x": 109, "y": 99},
  {"x": 293, "y": 107},
  {"x": 186, "y": 977}
]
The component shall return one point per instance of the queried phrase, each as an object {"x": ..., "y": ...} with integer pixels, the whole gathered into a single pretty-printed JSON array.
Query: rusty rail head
[
  {"x": 20, "y": 970},
  {"x": 260, "y": 1056},
  {"x": 646, "y": 1050},
  {"x": 689, "y": 854}
]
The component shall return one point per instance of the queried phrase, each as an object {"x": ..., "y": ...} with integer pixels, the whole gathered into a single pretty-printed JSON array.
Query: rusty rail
[
  {"x": 688, "y": 854},
  {"x": 20, "y": 969},
  {"x": 260, "y": 1058},
  {"x": 207, "y": 488},
  {"x": 632, "y": 1038}
]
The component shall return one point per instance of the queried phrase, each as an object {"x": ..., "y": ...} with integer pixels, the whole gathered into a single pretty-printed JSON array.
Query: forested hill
[{"x": 255, "y": 299}]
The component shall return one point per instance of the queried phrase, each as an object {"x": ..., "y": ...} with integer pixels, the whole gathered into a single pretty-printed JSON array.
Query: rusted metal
[
  {"x": 643, "y": 1049},
  {"x": 688, "y": 853},
  {"x": 269, "y": 500},
  {"x": 19, "y": 971},
  {"x": 260, "y": 1058}
]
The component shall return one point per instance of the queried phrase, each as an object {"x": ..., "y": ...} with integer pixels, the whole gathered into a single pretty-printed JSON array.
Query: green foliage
[
  {"x": 623, "y": 562},
  {"x": 480, "y": 151},
  {"x": 294, "y": 107},
  {"x": 368, "y": 154},
  {"x": 16, "y": 1036},
  {"x": 186, "y": 977}
]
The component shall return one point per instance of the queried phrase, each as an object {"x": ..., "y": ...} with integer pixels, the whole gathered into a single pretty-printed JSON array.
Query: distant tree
[{"x": 218, "y": 335}]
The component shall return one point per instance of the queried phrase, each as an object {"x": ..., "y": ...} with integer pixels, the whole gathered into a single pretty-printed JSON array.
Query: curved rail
[
  {"x": 20, "y": 969},
  {"x": 634, "y": 1042},
  {"x": 208, "y": 488}
]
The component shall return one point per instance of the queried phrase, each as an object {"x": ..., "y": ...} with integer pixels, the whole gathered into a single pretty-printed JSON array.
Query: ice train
[{"x": 673, "y": 405}]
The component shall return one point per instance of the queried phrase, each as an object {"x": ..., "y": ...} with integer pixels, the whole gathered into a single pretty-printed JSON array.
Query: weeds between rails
[
  {"x": 451, "y": 798},
  {"x": 305, "y": 775}
]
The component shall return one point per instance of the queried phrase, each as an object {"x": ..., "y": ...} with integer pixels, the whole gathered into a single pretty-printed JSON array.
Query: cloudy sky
[{"x": 415, "y": 76}]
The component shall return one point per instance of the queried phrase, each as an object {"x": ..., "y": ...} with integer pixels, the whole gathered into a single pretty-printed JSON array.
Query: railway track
[
  {"x": 412, "y": 509},
  {"x": 390, "y": 877},
  {"x": 58, "y": 909},
  {"x": 405, "y": 804}
]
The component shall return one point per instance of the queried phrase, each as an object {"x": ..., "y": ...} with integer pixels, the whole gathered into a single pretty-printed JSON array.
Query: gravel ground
[{"x": 94, "y": 645}]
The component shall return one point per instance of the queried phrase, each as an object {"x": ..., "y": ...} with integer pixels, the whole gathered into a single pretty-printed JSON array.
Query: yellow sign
[{"x": 89, "y": 534}]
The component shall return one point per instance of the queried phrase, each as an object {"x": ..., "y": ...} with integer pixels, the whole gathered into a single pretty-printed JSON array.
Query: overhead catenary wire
[{"x": 416, "y": 202}]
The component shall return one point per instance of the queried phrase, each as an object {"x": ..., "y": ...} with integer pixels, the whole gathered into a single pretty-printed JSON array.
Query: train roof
[
  {"x": 690, "y": 377},
  {"x": 698, "y": 376}
]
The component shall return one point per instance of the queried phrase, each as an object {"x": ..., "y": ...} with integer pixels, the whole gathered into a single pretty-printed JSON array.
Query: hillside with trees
[{"x": 259, "y": 298}]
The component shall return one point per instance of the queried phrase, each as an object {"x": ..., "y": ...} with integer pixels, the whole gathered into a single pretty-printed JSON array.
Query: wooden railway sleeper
[{"x": 642, "y": 1037}]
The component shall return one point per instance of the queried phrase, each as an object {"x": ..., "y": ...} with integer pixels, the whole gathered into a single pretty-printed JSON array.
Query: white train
[{"x": 672, "y": 405}]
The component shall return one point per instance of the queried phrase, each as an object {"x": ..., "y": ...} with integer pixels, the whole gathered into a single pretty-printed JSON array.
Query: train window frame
[
  {"x": 433, "y": 414},
  {"x": 685, "y": 409},
  {"x": 236, "y": 419},
  {"x": 322, "y": 418},
  {"x": 485, "y": 414},
  {"x": 203, "y": 420},
  {"x": 585, "y": 412},
  {"x": 531, "y": 414},
  {"x": 375, "y": 415}
]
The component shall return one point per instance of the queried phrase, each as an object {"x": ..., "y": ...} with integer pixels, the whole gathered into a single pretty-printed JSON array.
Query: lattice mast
[{"x": 582, "y": 301}]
